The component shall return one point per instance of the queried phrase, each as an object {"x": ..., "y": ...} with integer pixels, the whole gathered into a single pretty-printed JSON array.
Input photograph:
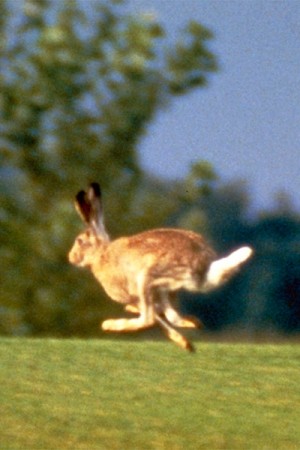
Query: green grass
[{"x": 136, "y": 395}]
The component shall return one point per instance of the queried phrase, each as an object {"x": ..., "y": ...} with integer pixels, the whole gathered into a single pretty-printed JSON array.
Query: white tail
[
  {"x": 145, "y": 271},
  {"x": 223, "y": 269}
]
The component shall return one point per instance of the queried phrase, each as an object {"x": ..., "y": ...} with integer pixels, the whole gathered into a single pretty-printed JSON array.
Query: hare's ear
[
  {"x": 95, "y": 190},
  {"x": 94, "y": 200},
  {"x": 83, "y": 207}
]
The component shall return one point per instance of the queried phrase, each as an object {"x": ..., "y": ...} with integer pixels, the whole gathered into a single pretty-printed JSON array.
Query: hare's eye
[{"x": 80, "y": 241}]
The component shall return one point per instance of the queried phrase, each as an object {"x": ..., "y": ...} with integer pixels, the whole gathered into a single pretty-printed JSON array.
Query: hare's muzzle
[
  {"x": 75, "y": 255},
  {"x": 73, "y": 258}
]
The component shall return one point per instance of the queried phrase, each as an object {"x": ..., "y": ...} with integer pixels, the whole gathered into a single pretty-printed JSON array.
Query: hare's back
[
  {"x": 165, "y": 248},
  {"x": 172, "y": 240}
]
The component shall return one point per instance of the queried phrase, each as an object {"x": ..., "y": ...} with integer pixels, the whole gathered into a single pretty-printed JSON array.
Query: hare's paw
[
  {"x": 182, "y": 322},
  {"x": 189, "y": 322},
  {"x": 125, "y": 324},
  {"x": 113, "y": 325}
]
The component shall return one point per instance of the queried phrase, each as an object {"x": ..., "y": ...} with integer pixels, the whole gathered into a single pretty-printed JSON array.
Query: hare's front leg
[{"x": 145, "y": 307}]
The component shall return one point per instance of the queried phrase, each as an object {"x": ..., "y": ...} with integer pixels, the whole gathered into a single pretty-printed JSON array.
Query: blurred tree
[
  {"x": 276, "y": 274},
  {"x": 78, "y": 85}
]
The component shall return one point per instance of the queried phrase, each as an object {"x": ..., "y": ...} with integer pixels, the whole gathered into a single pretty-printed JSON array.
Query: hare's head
[
  {"x": 90, "y": 242},
  {"x": 86, "y": 249}
]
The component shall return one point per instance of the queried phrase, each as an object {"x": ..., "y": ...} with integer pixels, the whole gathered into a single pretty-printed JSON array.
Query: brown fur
[
  {"x": 145, "y": 271},
  {"x": 171, "y": 259}
]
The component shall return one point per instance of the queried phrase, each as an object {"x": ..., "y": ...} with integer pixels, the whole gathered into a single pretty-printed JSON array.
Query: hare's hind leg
[
  {"x": 172, "y": 315},
  {"x": 145, "y": 308},
  {"x": 173, "y": 334}
]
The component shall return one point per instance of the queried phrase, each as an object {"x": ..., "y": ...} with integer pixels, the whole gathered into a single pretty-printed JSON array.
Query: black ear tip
[
  {"x": 96, "y": 189},
  {"x": 83, "y": 206},
  {"x": 80, "y": 197}
]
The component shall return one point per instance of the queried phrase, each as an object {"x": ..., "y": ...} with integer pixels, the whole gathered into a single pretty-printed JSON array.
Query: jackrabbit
[{"x": 145, "y": 271}]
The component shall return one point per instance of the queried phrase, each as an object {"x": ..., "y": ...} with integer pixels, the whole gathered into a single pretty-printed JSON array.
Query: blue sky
[{"x": 247, "y": 122}]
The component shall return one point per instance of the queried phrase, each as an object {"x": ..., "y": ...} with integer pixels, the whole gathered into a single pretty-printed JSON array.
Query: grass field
[{"x": 138, "y": 395}]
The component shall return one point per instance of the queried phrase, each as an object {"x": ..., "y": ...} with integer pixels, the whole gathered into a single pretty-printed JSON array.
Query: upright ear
[
  {"x": 89, "y": 207},
  {"x": 88, "y": 204},
  {"x": 94, "y": 200},
  {"x": 83, "y": 206},
  {"x": 95, "y": 190}
]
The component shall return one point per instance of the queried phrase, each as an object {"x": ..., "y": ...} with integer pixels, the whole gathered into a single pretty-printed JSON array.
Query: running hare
[{"x": 145, "y": 271}]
